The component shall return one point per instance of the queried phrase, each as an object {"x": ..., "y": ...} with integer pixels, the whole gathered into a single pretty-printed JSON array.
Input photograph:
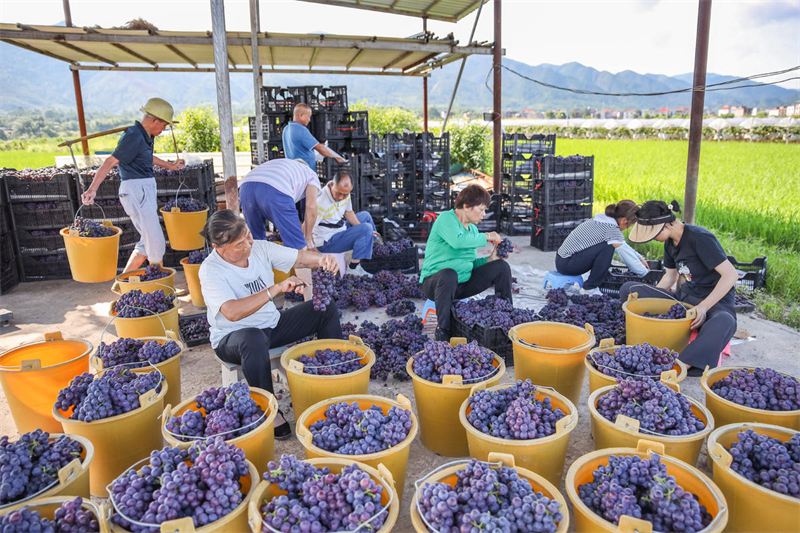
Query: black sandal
[{"x": 284, "y": 431}]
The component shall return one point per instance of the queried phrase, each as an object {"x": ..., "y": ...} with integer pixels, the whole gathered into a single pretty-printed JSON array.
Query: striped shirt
[
  {"x": 330, "y": 215},
  {"x": 590, "y": 233},
  {"x": 287, "y": 175}
]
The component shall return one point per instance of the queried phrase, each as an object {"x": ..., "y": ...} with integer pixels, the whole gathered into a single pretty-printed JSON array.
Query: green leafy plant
[
  {"x": 470, "y": 146},
  {"x": 384, "y": 120},
  {"x": 197, "y": 131}
]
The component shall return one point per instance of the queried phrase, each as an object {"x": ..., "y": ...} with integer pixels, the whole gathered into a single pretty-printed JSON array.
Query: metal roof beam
[
  {"x": 84, "y": 52},
  {"x": 245, "y": 70},
  {"x": 431, "y": 6},
  {"x": 313, "y": 59},
  {"x": 355, "y": 58},
  {"x": 418, "y": 62},
  {"x": 181, "y": 55},
  {"x": 134, "y": 54},
  {"x": 26, "y": 46},
  {"x": 469, "y": 9},
  {"x": 396, "y": 60}
]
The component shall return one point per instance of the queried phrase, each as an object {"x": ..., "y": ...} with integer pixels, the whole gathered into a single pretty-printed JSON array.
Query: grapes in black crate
[
  {"x": 767, "y": 461},
  {"x": 640, "y": 360},
  {"x": 349, "y": 430},
  {"x": 438, "y": 359},
  {"x": 391, "y": 248},
  {"x": 195, "y": 329},
  {"x": 492, "y": 312},
  {"x": 759, "y": 388}
]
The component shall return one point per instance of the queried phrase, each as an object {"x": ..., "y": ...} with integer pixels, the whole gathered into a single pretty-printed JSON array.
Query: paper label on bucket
[
  {"x": 135, "y": 279},
  {"x": 175, "y": 210},
  {"x": 73, "y": 232},
  {"x": 107, "y": 223}
]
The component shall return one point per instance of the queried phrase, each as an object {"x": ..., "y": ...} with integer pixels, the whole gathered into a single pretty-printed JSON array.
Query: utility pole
[
  {"x": 497, "y": 134},
  {"x": 257, "y": 77},
  {"x": 76, "y": 83}
]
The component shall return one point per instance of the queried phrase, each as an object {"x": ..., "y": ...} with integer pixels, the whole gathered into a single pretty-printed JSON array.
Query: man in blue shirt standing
[
  {"x": 137, "y": 188},
  {"x": 299, "y": 143}
]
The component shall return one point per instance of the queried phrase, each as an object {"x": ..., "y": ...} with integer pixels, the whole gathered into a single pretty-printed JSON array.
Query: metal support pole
[
  {"x": 257, "y": 77},
  {"x": 425, "y": 83},
  {"x": 461, "y": 70},
  {"x": 76, "y": 83},
  {"x": 497, "y": 133},
  {"x": 224, "y": 104},
  {"x": 698, "y": 102}
]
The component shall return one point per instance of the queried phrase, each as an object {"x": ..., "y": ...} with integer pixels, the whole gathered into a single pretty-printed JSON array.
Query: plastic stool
[
  {"x": 725, "y": 351},
  {"x": 430, "y": 307},
  {"x": 559, "y": 280}
]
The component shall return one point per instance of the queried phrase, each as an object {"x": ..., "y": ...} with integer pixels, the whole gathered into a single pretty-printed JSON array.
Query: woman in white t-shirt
[{"x": 238, "y": 288}]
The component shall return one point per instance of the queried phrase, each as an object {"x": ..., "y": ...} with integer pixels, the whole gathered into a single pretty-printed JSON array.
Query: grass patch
[{"x": 21, "y": 160}]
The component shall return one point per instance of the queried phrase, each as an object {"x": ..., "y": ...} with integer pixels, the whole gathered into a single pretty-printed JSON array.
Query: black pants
[
  {"x": 443, "y": 287},
  {"x": 596, "y": 260},
  {"x": 249, "y": 347},
  {"x": 714, "y": 334}
]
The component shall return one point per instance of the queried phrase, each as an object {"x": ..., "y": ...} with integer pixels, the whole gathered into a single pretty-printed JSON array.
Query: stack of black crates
[
  {"x": 9, "y": 269},
  {"x": 347, "y": 132},
  {"x": 521, "y": 154}
]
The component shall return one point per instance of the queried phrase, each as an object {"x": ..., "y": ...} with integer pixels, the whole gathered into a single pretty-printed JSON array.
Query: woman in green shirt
[{"x": 451, "y": 269}]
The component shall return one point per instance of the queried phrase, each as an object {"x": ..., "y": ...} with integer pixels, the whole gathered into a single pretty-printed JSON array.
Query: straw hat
[
  {"x": 646, "y": 229},
  {"x": 159, "y": 108}
]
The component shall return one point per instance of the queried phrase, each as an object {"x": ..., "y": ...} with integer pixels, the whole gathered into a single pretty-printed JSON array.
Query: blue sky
[{"x": 646, "y": 36}]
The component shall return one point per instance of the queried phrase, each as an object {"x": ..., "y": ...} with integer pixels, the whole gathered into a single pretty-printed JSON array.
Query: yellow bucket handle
[
  {"x": 97, "y": 362},
  {"x": 72, "y": 229},
  {"x": 691, "y": 312},
  {"x": 629, "y": 524}
]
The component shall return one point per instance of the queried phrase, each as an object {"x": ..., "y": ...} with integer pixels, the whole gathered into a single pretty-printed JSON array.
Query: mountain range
[{"x": 32, "y": 81}]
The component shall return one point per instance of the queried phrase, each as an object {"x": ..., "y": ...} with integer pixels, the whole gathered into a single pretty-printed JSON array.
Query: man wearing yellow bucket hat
[
  {"x": 696, "y": 261},
  {"x": 137, "y": 188}
]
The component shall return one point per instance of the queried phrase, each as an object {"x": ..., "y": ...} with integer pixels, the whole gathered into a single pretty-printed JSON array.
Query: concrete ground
[{"x": 80, "y": 310}]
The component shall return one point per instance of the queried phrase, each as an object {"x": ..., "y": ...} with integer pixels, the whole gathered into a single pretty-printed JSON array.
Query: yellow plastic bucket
[
  {"x": 552, "y": 354},
  {"x": 266, "y": 491},
  {"x": 46, "y": 507},
  {"x": 438, "y": 405},
  {"x": 183, "y": 229},
  {"x": 92, "y": 259},
  {"x": 726, "y": 412},
  {"x": 670, "y": 378},
  {"x": 129, "y": 281},
  {"x": 171, "y": 368},
  {"x": 545, "y": 456},
  {"x": 308, "y": 389},
  {"x": 73, "y": 479},
  {"x": 146, "y": 326},
  {"x": 626, "y": 433},
  {"x": 233, "y": 522},
  {"x": 192, "y": 273},
  {"x": 753, "y": 507},
  {"x": 33, "y": 374},
  {"x": 258, "y": 444},
  {"x": 672, "y": 334},
  {"x": 395, "y": 458},
  {"x": 447, "y": 474},
  {"x": 688, "y": 477},
  {"x": 119, "y": 440}
]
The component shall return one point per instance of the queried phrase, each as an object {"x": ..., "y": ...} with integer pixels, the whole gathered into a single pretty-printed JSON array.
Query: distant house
[
  {"x": 739, "y": 111},
  {"x": 724, "y": 110},
  {"x": 664, "y": 111},
  {"x": 629, "y": 114},
  {"x": 777, "y": 111},
  {"x": 684, "y": 110},
  {"x": 794, "y": 109}
]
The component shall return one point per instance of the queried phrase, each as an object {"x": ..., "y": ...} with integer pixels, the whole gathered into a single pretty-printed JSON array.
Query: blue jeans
[
  {"x": 261, "y": 202},
  {"x": 357, "y": 238}
]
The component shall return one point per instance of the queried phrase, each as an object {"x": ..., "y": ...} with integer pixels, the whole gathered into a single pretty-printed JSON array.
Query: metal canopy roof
[
  {"x": 445, "y": 10},
  {"x": 150, "y": 50}
]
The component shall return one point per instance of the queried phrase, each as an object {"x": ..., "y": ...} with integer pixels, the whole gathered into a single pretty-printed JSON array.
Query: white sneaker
[
  {"x": 592, "y": 292},
  {"x": 358, "y": 271}
]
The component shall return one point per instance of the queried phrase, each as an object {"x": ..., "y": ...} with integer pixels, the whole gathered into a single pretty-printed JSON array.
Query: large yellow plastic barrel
[
  {"x": 753, "y": 507},
  {"x": 672, "y": 334},
  {"x": 192, "y": 273},
  {"x": 390, "y": 499},
  {"x": 727, "y": 412},
  {"x": 171, "y": 368},
  {"x": 183, "y": 228},
  {"x": 92, "y": 259},
  {"x": 438, "y": 405},
  {"x": 233, "y": 522},
  {"x": 308, "y": 389},
  {"x": 545, "y": 456},
  {"x": 395, "y": 458},
  {"x": 152, "y": 325},
  {"x": 447, "y": 474},
  {"x": 121, "y": 440},
  {"x": 46, "y": 507},
  {"x": 671, "y": 378},
  {"x": 129, "y": 281},
  {"x": 626, "y": 433},
  {"x": 552, "y": 354},
  {"x": 32, "y": 375},
  {"x": 688, "y": 477},
  {"x": 73, "y": 479},
  {"x": 258, "y": 444}
]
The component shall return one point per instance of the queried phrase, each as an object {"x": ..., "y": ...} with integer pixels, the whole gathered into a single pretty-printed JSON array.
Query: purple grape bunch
[
  {"x": 160, "y": 171},
  {"x": 362, "y": 292},
  {"x": 604, "y": 313},
  {"x": 639, "y": 360},
  {"x": 186, "y": 204},
  {"x": 759, "y": 388},
  {"x": 504, "y": 248},
  {"x": 492, "y": 312},
  {"x": 135, "y": 303},
  {"x": 488, "y": 499},
  {"x": 675, "y": 312},
  {"x": 275, "y": 236},
  {"x": 31, "y": 464},
  {"x": 195, "y": 329},
  {"x": 136, "y": 353},
  {"x": 659, "y": 409},
  {"x": 349, "y": 430},
  {"x": 113, "y": 393},
  {"x": 154, "y": 272},
  {"x": 438, "y": 359},
  {"x": 401, "y": 308},
  {"x": 642, "y": 488},
  {"x": 91, "y": 229},
  {"x": 318, "y": 500},
  {"x": 197, "y": 256},
  {"x": 393, "y": 342},
  {"x": 323, "y": 283},
  {"x": 167, "y": 488},
  {"x": 391, "y": 248},
  {"x": 70, "y": 517},
  {"x": 227, "y": 412},
  {"x": 514, "y": 412},
  {"x": 767, "y": 461},
  {"x": 41, "y": 206},
  {"x": 331, "y": 362}
]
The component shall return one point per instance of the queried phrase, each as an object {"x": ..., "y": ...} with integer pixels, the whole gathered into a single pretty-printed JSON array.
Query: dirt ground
[{"x": 81, "y": 311}]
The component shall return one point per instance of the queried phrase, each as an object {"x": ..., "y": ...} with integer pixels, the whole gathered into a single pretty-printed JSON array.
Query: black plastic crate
[
  {"x": 348, "y": 125},
  {"x": 406, "y": 261},
  {"x": 536, "y": 144},
  {"x": 556, "y": 215},
  {"x": 557, "y": 168},
  {"x": 513, "y": 226},
  {"x": 197, "y": 342},
  {"x": 59, "y": 214},
  {"x": 753, "y": 275},
  {"x": 58, "y": 188},
  {"x": 34, "y": 241},
  {"x": 393, "y": 143},
  {"x": 332, "y": 98},
  {"x": 520, "y": 165},
  {"x": 547, "y": 238},
  {"x": 328, "y": 167},
  {"x": 619, "y": 275},
  {"x": 9, "y": 271},
  {"x": 372, "y": 165},
  {"x": 272, "y": 125},
  {"x": 189, "y": 180},
  {"x": 491, "y": 338},
  {"x": 5, "y": 219},
  {"x": 108, "y": 210},
  {"x": 563, "y": 192},
  {"x": 281, "y": 98},
  {"x": 45, "y": 267},
  {"x": 108, "y": 189}
]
